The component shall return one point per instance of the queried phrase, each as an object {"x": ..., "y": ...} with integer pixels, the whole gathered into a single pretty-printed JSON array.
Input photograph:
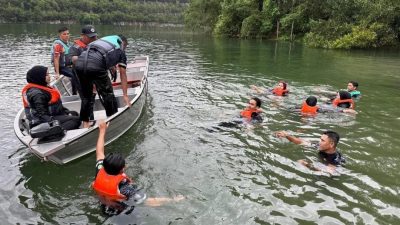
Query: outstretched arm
[
  {"x": 100, "y": 140},
  {"x": 259, "y": 90},
  {"x": 124, "y": 84},
  {"x": 162, "y": 200},
  {"x": 284, "y": 134}
]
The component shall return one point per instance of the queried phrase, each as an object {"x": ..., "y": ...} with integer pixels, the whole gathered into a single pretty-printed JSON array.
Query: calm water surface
[{"x": 228, "y": 175}]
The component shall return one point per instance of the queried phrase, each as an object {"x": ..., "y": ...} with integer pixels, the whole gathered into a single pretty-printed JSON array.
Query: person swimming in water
[
  {"x": 310, "y": 108},
  {"x": 352, "y": 88},
  {"x": 249, "y": 115},
  {"x": 252, "y": 113},
  {"x": 343, "y": 100},
  {"x": 113, "y": 187},
  {"x": 328, "y": 153},
  {"x": 279, "y": 90}
]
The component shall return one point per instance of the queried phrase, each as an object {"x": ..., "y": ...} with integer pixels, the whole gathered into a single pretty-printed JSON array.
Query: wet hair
[
  {"x": 311, "y": 101},
  {"x": 258, "y": 101},
  {"x": 113, "y": 163},
  {"x": 62, "y": 29},
  {"x": 343, "y": 96},
  {"x": 333, "y": 136},
  {"x": 354, "y": 83},
  {"x": 284, "y": 84}
]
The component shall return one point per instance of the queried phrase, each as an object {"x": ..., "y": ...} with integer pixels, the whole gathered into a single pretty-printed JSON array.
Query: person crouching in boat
[
  {"x": 252, "y": 113},
  {"x": 43, "y": 104},
  {"x": 279, "y": 90},
  {"x": 113, "y": 187}
]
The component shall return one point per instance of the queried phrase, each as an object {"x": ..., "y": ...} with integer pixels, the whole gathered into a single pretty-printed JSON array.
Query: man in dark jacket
[
  {"x": 43, "y": 104},
  {"x": 92, "y": 67}
]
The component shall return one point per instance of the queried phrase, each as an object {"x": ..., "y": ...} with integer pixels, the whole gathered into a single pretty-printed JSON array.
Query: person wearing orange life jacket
[
  {"x": 343, "y": 99},
  {"x": 43, "y": 104},
  {"x": 309, "y": 106},
  {"x": 113, "y": 187},
  {"x": 278, "y": 90},
  {"x": 253, "y": 110}
]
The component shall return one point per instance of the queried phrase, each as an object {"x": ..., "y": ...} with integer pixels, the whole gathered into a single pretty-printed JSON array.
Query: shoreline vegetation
[
  {"x": 350, "y": 24},
  {"x": 105, "y": 12}
]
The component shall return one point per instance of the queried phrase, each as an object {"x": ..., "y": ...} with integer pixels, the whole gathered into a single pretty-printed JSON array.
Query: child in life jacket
[
  {"x": 112, "y": 185},
  {"x": 253, "y": 110},
  {"x": 279, "y": 90}
]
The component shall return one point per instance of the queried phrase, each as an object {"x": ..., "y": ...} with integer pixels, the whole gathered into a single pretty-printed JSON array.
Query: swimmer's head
[
  {"x": 114, "y": 163},
  {"x": 255, "y": 102},
  {"x": 352, "y": 85},
  {"x": 329, "y": 139},
  {"x": 311, "y": 101},
  {"x": 282, "y": 85},
  {"x": 333, "y": 137},
  {"x": 343, "y": 95}
]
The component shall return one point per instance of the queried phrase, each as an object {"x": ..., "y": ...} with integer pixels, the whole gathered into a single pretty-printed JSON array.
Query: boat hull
[{"x": 79, "y": 142}]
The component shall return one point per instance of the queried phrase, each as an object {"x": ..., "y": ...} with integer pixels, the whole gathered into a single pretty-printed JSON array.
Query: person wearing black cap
[
  {"x": 88, "y": 35},
  {"x": 92, "y": 67},
  {"x": 43, "y": 104}
]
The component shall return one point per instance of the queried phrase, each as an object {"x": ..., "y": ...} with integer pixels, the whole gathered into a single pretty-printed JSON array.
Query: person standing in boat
[
  {"x": 88, "y": 35},
  {"x": 43, "y": 104},
  {"x": 92, "y": 67},
  {"x": 114, "y": 188},
  {"x": 60, "y": 57}
]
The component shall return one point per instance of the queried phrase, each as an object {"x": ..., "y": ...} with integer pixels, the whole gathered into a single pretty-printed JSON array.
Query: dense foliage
[
  {"x": 321, "y": 23},
  {"x": 89, "y": 11}
]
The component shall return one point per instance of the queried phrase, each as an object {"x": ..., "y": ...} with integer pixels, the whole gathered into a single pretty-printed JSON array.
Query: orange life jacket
[
  {"x": 309, "y": 109},
  {"x": 279, "y": 91},
  {"x": 80, "y": 43},
  {"x": 337, "y": 102},
  {"x": 246, "y": 113},
  {"x": 55, "y": 94},
  {"x": 106, "y": 186}
]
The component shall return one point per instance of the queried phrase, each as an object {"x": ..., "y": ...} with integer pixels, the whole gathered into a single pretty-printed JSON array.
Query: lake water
[{"x": 241, "y": 175}]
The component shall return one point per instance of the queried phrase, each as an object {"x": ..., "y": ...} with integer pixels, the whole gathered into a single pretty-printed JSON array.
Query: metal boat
[{"x": 79, "y": 142}]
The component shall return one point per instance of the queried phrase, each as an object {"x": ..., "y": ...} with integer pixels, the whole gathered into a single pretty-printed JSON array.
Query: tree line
[
  {"x": 94, "y": 12},
  {"x": 319, "y": 23}
]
